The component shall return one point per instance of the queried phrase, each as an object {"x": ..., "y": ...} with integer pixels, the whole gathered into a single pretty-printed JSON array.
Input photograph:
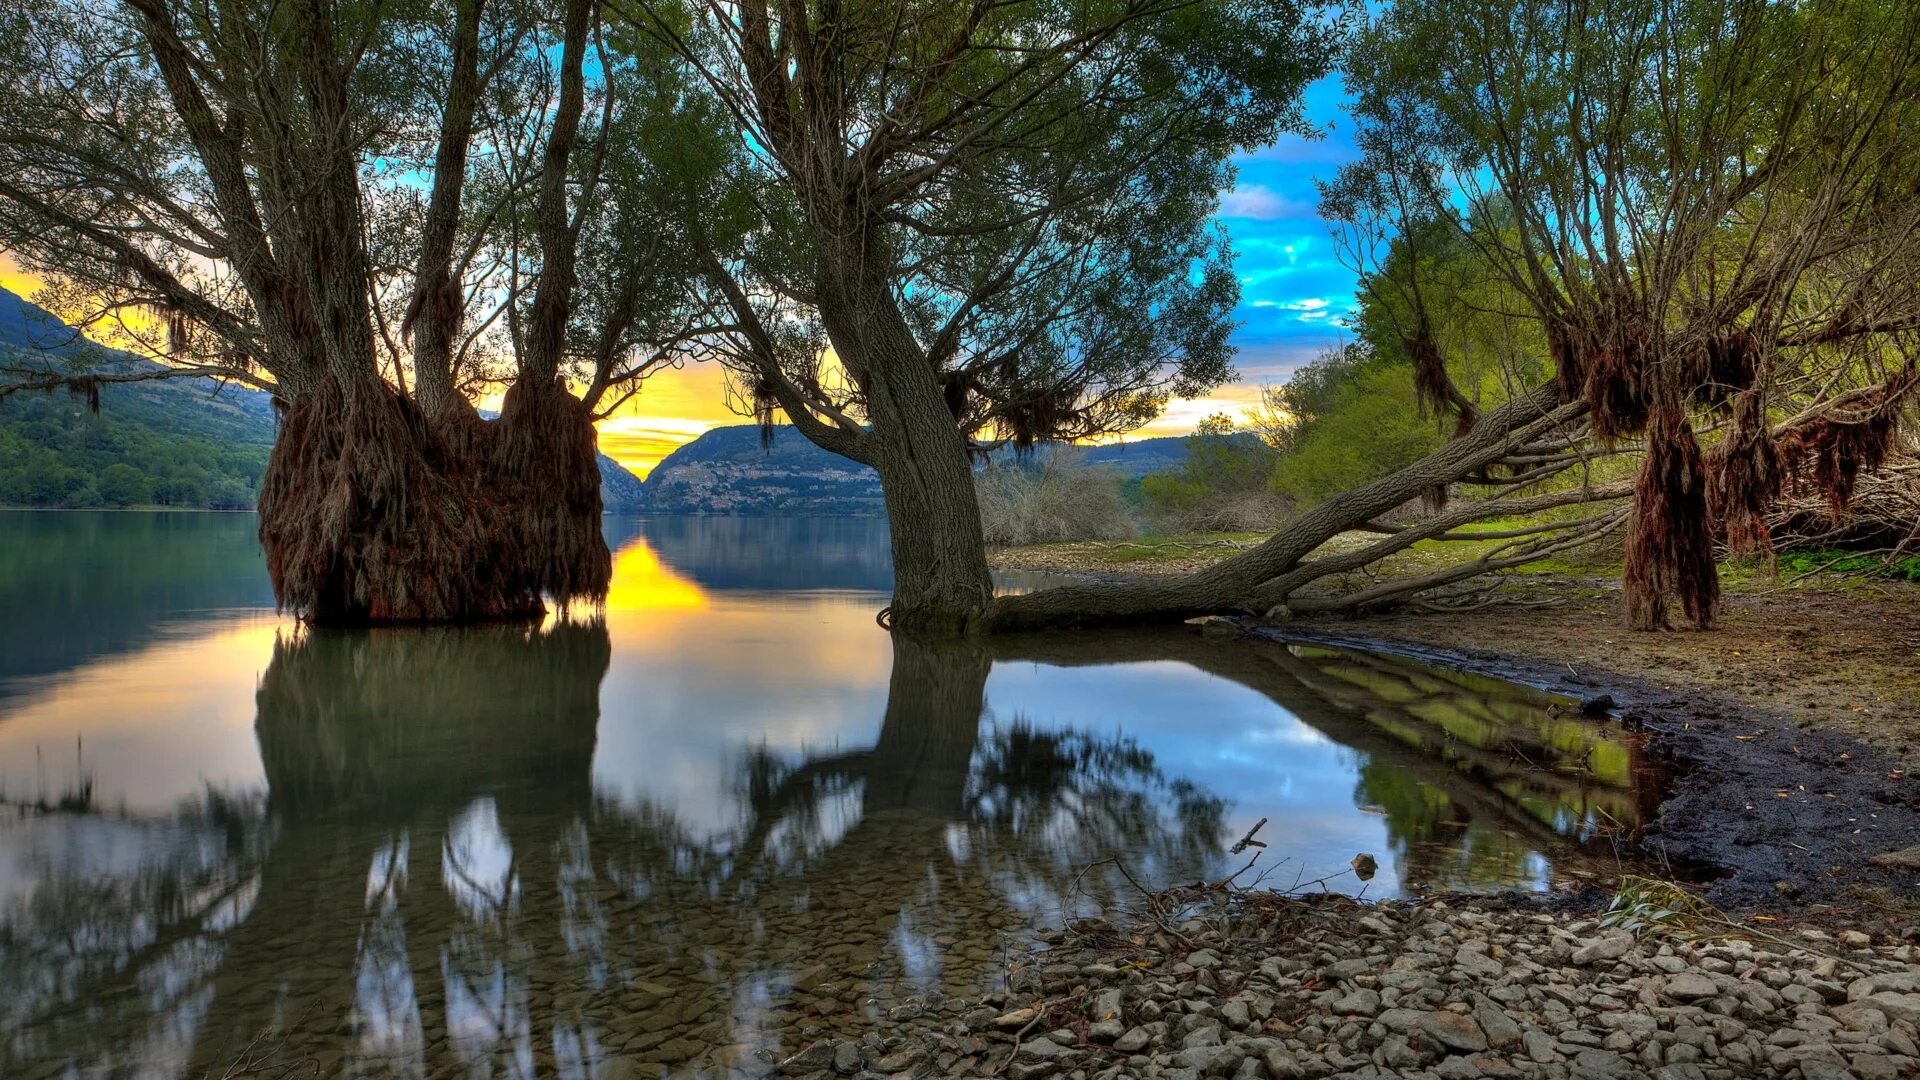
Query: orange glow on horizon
[{"x": 678, "y": 405}]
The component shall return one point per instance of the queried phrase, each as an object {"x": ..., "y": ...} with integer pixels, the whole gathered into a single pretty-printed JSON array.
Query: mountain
[
  {"x": 173, "y": 442},
  {"x": 728, "y": 471}
]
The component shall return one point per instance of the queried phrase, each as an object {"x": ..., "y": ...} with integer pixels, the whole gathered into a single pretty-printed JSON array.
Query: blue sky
[{"x": 1294, "y": 290}]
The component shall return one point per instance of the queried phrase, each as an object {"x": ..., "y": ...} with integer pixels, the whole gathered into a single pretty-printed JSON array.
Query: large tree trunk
[
  {"x": 941, "y": 584},
  {"x": 372, "y": 514}
]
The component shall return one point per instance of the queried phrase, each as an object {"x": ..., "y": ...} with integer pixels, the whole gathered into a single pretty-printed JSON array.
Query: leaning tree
[
  {"x": 980, "y": 224},
  {"x": 381, "y": 213},
  {"x": 1697, "y": 219}
]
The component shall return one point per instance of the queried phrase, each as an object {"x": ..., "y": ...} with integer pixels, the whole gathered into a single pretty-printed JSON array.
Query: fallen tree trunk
[{"x": 1242, "y": 584}]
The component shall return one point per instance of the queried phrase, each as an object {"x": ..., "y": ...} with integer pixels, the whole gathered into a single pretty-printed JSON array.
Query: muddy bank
[{"x": 1788, "y": 815}]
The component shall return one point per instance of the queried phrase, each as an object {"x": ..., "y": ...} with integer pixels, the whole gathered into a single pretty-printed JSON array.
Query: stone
[
  {"x": 1904, "y": 859},
  {"x": 1602, "y": 1065},
  {"x": 817, "y": 1056},
  {"x": 1689, "y": 986},
  {"x": 1610, "y": 947},
  {"x": 1358, "y": 1003},
  {"x": 1045, "y": 1048},
  {"x": 1345, "y": 969},
  {"x": 1896, "y": 1006},
  {"x": 1476, "y": 961},
  {"x": 1900, "y": 982},
  {"x": 1539, "y": 1045},
  {"x": 1457, "y": 1068},
  {"x": 1453, "y": 1031},
  {"x": 1205, "y": 1059},
  {"x": 846, "y": 1057},
  {"x": 1203, "y": 958},
  {"x": 1282, "y": 1065},
  {"x": 1133, "y": 1041},
  {"x": 1499, "y": 1028},
  {"x": 1015, "y": 1020}
]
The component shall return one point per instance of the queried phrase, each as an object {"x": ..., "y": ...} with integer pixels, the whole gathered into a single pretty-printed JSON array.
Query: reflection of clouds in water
[
  {"x": 385, "y": 1010},
  {"x": 477, "y": 862},
  {"x": 387, "y": 874}
]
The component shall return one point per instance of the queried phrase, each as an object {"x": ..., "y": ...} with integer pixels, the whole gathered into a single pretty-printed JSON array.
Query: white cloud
[{"x": 1261, "y": 203}]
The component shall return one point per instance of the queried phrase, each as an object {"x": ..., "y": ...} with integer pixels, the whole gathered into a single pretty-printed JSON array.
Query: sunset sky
[{"x": 1294, "y": 292}]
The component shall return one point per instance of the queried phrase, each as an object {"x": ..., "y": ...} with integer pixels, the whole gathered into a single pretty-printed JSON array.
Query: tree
[
  {"x": 1704, "y": 214},
  {"x": 377, "y": 212},
  {"x": 123, "y": 485},
  {"x": 994, "y": 217}
]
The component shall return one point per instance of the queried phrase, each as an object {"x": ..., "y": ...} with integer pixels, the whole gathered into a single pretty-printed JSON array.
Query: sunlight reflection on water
[{"x": 722, "y": 812}]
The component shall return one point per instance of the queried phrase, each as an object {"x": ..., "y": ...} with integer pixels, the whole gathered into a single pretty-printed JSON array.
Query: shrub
[
  {"x": 1223, "y": 487},
  {"x": 1024, "y": 503}
]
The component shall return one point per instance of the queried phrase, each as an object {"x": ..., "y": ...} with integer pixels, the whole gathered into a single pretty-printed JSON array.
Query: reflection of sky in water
[
  {"x": 703, "y": 676},
  {"x": 1243, "y": 747}
]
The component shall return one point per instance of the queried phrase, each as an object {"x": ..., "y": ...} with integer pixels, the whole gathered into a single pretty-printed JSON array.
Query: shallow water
[{"x": 691, "y": 832}]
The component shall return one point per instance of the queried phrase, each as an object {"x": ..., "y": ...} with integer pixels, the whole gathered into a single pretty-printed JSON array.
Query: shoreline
[
  {"x": 1209, "y": 983},
  {"x": 1794, "y": 793}
]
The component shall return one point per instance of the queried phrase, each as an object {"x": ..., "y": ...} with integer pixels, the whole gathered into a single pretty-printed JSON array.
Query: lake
[{"x": 682, "y": 835}]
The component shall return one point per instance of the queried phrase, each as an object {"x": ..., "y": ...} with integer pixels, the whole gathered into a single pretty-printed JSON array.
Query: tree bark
[{"x": 941, "y": 582}]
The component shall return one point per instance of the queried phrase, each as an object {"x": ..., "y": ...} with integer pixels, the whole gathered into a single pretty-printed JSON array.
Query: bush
[
  {"x": 1368, "y": 424},
  {"x": 1223, "y": 487},
  {"x": 1034, "y": 504}
]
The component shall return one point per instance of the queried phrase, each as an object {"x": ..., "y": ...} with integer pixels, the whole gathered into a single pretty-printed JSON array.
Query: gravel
[{"x": 1267, "y": 986}]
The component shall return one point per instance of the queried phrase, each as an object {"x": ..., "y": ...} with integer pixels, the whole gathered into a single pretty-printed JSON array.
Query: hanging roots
[
  {"x": 1569, "y": 366},
  {"x": 1617, "y": 386},
  {"x": 1840, "y": 450},
  {"x": 368, "y": 515},
  {"x": 1744, "y": 478},
  {"x": 1726, "y": 365},
  {"x": 1669, "y": 550},
  {"x": 765, "y": 401},
  {"x": 1430, "y": 383}
]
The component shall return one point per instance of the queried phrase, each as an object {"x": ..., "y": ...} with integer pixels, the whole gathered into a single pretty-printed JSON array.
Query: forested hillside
[
  {"x": 175, "y": 442},
  {"x": 166, "y": 443}
]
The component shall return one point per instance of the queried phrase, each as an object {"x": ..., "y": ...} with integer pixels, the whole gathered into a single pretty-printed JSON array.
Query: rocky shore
[{"x": 1248, "y": 986}]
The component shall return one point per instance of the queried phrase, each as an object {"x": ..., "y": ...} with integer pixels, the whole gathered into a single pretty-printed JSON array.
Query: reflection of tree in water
[
  {"x": 123, "y": 917},
  {"x": 433, "y": 883},
  {"x": 1475, "y": 777}
]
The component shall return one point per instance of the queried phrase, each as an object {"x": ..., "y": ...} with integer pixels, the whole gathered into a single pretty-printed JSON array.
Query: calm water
[{"x": 702, "y": 828}]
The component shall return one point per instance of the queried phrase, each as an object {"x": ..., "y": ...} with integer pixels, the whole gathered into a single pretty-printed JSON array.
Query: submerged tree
[
  {"x": 982, "y": 224},
  {"x": 378, "y": 212}
]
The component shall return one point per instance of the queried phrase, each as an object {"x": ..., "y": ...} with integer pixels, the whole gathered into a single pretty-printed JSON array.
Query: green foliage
[
  {"x": 1357, "y": 420},
  {"x": 1805, "y": 561},
  {"x": 53, "y": 452},
  {"x": 1222, "y": 486}
]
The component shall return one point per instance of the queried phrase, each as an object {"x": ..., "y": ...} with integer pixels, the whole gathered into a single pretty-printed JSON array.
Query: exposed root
[
  {"x": 369, "y": 515},
  {"x": 1669, "y": 549}
]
